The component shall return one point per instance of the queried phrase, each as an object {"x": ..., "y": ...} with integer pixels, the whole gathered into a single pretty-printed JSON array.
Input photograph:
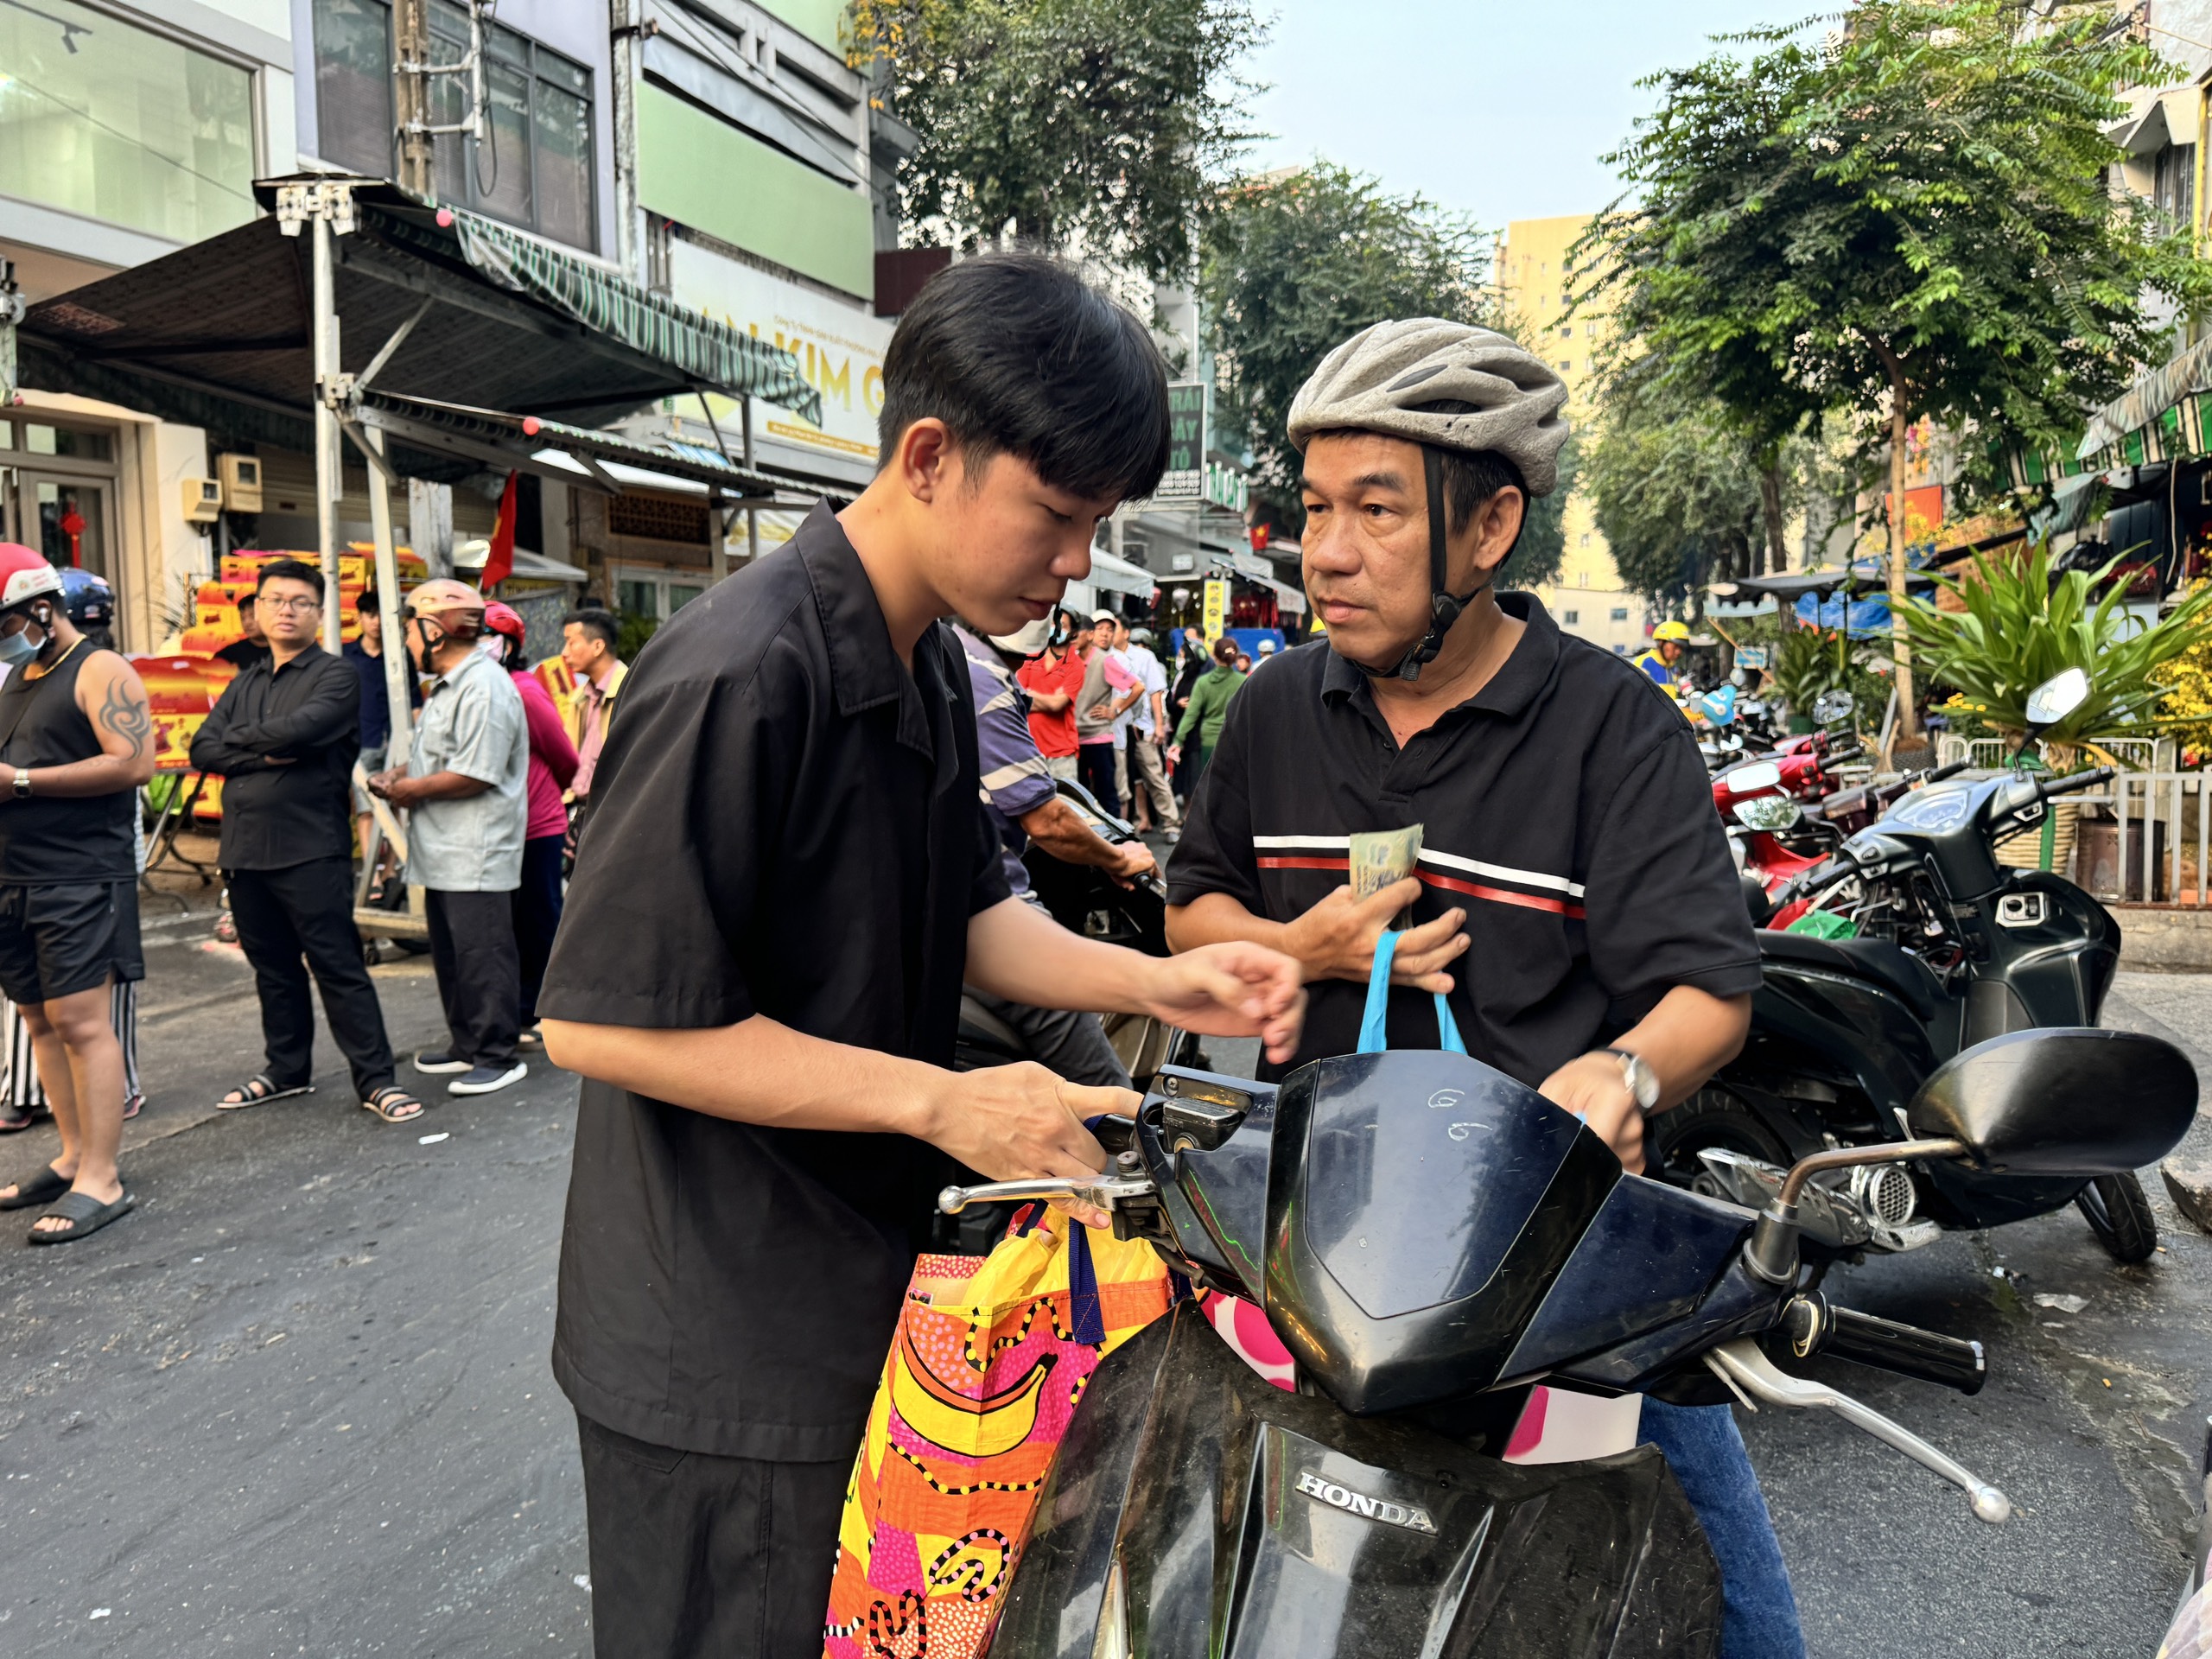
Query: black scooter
[
  {"x": 1953, "y": 949},
  {"x": 1429, "y": 1238}
]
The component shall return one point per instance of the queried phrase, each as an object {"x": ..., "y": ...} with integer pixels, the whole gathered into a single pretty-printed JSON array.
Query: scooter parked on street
[
  {"x": 1951, "y": 948},
  {"x": 1429, "y": 1238}
]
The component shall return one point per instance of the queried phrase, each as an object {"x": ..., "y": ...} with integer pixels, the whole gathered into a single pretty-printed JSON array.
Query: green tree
[
  {"x": 1673, "y": 488},
  {"x": 1292, "y": 266},
  {"x": 1097, "y": 121},
  {"x": 1912, "y": 223}
]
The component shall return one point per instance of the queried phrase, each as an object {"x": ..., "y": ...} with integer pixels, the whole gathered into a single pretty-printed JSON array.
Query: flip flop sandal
[
  {"x": 84, "y": 1214},
  {"x": 258, "y": 1091},
  {"x": 391, "y": 1104},
  {"x": 41, "y": 1188}
]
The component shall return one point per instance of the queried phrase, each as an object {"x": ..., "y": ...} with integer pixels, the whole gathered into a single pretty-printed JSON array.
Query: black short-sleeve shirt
[
  {"x": 1564, "y": 807},
  {"x": 786, "y": 822}
]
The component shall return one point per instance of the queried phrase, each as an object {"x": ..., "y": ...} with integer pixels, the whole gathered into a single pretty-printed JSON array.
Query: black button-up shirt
[
  {"x": 784, "y": 821},
  {"x": 284, "y": 740},
  {"x": 1564, "y": 807}
]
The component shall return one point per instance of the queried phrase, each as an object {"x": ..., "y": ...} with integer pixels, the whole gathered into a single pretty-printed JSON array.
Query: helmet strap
[{"x": 1444, "y": 607}]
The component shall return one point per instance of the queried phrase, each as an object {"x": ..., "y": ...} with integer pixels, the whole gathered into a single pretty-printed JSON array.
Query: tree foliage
[
  {"x": 1674, "y": 489},
  {"x": 1093, "y": 121},
  {"x": 1912, "y": 222},
  {"x": 1291, "y": 267}
]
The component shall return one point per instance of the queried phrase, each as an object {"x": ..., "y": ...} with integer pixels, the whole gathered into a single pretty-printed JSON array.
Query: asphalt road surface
[{"x": 298, "y": 1404}]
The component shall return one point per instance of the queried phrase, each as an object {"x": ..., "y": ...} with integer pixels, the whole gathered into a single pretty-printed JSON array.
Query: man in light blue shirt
[
  {"x": 1148, "y": 775},
  {"x": 465, "y": 787}
]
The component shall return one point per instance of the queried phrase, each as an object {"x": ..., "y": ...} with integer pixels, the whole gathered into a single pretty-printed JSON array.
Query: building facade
[{"x": 1533, "y": 278}]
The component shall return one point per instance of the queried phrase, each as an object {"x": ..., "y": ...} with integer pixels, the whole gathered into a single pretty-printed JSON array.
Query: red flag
[{"x": 501, "y": 564}]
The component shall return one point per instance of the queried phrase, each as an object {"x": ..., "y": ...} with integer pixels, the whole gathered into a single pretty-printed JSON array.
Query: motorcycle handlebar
[
  {"x": 1815, "y": 1325},
  {"x": 2074, "y": 780},
  {"x": 1941, "y": 772},
  {"x": 1843, "y": 757}
]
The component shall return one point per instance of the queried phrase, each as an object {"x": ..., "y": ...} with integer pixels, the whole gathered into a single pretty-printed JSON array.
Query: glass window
[
  {"x": 535, "y": 167},
  {"x": 1620, "y": 614},
  {"x": 60, "y": 441},
  {"x": 70, "y": 527},
  {"x": 638, "y": 598},
  {"x": 2175, "y": 182},
  {"x": 103, "y": 119},
  {"x": 681, "y": 594},
  {"x": 1570, "y": 617}
]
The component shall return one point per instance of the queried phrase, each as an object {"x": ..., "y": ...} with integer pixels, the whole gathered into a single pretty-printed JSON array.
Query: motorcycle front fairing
[{"x": 1197, "y": 1509}]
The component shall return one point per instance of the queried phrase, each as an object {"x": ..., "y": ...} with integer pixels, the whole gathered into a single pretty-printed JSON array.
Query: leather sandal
[
  {"x": 391, "y": 1103},
  {"x": 44, "y": 1187},
  {"x": 84, "y": 1214},
  {"x": 258, "y": 1091}
]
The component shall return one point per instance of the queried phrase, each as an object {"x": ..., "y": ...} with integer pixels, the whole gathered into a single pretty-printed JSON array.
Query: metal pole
[
  {"x": 395, "y": 647},
  {"x": 752, "y": 514},
  {"x": 411, "y": 102},
  {"x": 329, "y": 463},
  {"x": 717, "y": 539}
]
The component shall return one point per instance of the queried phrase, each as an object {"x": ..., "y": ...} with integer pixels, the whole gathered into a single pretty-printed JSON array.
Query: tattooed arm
[{"x": 114, "y": 699}]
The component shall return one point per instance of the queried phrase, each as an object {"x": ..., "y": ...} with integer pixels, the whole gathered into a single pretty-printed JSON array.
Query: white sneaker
[{"x": 488, "y": 1079}]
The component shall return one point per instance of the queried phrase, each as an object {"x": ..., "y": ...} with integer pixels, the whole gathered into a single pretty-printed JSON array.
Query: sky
[{"x": 1492, "y": 109}]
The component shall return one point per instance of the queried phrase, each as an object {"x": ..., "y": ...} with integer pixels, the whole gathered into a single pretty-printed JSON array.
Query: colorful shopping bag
[{"x": 991, "y": 1357}]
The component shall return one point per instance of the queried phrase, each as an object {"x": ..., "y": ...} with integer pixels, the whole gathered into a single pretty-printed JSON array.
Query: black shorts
[{"x": 58, "y": 938}]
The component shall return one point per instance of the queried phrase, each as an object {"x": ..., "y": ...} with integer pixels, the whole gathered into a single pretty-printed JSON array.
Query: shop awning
[
  {"x": 1862, "y": 576},
  {"x": 435, "y": 305},
  {"x": 1249, "y": 566},
  {"x": 1120, "y": 576},
  {"x": 2163, "y": 406}
]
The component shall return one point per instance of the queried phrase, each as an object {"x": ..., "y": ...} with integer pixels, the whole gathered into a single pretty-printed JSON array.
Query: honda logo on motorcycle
[{"x": 1412, "y": 1516}]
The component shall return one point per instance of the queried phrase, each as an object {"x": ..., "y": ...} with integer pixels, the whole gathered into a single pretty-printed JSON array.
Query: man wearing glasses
[{"x": 283, "y": 737}]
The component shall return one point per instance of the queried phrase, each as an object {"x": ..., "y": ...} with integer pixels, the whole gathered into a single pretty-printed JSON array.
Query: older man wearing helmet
[
  {"x": 465, "y": 787},
  {"x": 1662, "y": 662},
  {"x": 76, "y": 741},
  {"x": 1566, "y": 818}
]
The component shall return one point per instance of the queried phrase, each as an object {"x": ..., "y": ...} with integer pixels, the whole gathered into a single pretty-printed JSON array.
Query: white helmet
[
  {"x": 1388, "y": 378},
  {"x": 1496, "y": 399}
]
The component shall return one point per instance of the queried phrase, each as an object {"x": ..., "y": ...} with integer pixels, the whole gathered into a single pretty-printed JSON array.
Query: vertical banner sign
[
  {"x": 1217, "y": 609},
  {"x": 1186, "y": 478}
]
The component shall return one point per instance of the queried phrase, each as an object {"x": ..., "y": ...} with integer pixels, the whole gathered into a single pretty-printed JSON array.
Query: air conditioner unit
[
  {"x": 203, "y": 500},
  {"x": 241, "y": 477}
]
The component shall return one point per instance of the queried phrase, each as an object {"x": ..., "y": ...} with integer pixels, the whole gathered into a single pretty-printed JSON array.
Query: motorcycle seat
[{"x": 1895, "y": 970}]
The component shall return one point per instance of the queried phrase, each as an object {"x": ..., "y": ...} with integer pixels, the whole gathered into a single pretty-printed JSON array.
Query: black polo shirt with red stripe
[{"x": 1564, "y": 807}]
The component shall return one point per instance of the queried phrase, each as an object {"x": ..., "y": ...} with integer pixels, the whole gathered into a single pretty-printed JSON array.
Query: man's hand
[
  {"x": 1231, "y": 990},
  {"x": 1336, "y": 938},
  {"x": 1135, "y": 860},
  {"x": 1592, "y": 1087},
  {"x": 397, "y": 788},
  {"x": 1021, "y": 1123}
]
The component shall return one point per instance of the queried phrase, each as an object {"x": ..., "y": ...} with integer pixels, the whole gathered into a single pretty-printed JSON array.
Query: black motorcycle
[
  {"x": 1952, "y": 948},
  {"x": 1429, "y": 1238}
]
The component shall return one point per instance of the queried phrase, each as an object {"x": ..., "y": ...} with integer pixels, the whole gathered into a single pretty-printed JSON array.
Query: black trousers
[
  {"x": 692, "y": 1554},
  {"x": 537, "y": 915},
  {"x": 479, "y": 975},
  {"x": 1094, "y": 764},
  {"x": 296, "y": 920}
]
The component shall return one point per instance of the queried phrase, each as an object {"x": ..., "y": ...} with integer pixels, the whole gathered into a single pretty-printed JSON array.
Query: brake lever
[
  {"x": 1100, "y": 1194},
  {"x": 1742, "y": 1366}
]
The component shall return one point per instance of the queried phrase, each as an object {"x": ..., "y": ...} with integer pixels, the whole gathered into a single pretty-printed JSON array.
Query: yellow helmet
[{"x": 1671, "y": 630}]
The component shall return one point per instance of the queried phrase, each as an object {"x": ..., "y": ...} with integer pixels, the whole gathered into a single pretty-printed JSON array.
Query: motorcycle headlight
[{"x": 1765, "y": 812}]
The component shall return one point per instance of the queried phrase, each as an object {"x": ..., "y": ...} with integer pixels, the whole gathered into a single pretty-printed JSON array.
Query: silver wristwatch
[
  {"x": 22, "y": 783},
  {"x": 1642, "y": 1081}
]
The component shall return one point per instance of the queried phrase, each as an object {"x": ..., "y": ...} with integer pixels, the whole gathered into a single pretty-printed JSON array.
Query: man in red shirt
[{"x": 1053, "y": 680}]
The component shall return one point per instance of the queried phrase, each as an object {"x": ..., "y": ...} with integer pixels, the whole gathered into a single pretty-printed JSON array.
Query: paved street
[{"x": 299, "y": 1404}]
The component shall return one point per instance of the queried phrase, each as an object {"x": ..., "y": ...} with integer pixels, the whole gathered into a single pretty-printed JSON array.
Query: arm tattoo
[{"x": 126, "y": 714}]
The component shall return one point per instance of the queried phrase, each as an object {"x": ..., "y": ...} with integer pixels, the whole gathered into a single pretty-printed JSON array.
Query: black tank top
[{"x": 46, "y": 838}]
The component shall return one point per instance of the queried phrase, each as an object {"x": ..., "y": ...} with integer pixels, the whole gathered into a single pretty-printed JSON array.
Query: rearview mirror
[
  {"x": 1832, "y": 707},
  {"x": 2057, "y": 697},
  {"x": 2061, "y": 1101}
]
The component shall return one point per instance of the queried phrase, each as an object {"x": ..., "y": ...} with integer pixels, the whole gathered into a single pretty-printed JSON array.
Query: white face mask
[{"x": 493, "y": 645}]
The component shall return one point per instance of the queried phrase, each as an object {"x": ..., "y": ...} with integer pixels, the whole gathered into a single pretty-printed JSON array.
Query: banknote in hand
[{"x": 1380, "y": 857}]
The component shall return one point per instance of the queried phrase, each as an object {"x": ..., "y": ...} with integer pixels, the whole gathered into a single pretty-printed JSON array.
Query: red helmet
[
  {"x": 25, "y": 574},
  {"x": 503, "y": 619}
]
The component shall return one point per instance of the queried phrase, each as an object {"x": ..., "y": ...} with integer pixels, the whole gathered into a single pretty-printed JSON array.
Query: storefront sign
[
  {"x": 840, "y": 349},
  {"x": 1186, "y": 479},
  {"x": 1216, "y": 614}
]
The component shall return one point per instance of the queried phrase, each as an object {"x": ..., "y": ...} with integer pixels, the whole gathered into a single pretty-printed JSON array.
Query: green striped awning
[{"x": 716, "y": 355}]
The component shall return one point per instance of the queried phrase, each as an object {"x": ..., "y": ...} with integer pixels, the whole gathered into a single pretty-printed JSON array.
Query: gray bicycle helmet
[{"x": 1494, "y": 396}]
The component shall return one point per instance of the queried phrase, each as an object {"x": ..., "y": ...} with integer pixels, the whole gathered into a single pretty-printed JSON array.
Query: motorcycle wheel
[
  {"x": 2119, "y": 1215},
  {"x": 1711, "y": 1117}
]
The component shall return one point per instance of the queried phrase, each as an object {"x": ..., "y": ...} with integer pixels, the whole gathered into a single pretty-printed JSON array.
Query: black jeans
[
  {"x": 536, "y": 905},
  {"x": 479, "y": 974},
  {"x": 693, "y": 1555},
  {"x": 296, "y": 920},
  {"x": 1094, "y": 765}
]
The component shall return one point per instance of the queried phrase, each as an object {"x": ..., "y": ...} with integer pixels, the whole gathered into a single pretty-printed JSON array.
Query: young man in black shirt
[
  {"x": 786, "y": 872},
  {"x": 283, "y": 737},
  {"x": 1573, "y": 897}
]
